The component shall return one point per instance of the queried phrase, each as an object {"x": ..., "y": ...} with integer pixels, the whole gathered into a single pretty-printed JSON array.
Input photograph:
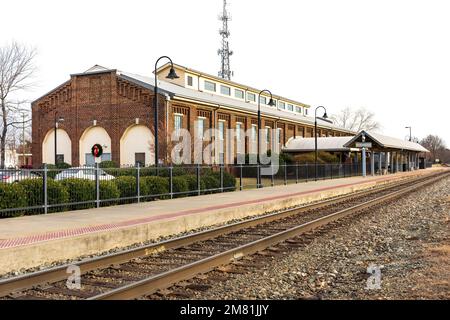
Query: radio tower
[{"x": 225, "y": 52}]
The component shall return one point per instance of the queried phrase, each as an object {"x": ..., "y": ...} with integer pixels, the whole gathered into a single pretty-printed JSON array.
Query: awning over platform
[
  {"x": 384, "y": 142},
  {"x": 329, "y": 144}
]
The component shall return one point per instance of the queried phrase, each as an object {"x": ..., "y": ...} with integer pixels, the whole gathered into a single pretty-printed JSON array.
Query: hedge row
[{"x": 29, "y": 192}]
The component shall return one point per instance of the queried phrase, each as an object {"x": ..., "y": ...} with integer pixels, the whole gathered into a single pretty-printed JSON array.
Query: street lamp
[
  {"x": 57, "y": 120},
  {"x": 410, "y": 134},
  {"x": 172, "y": 75},
  {"x": 325, "y": 116},
  {"x": 271, "y": 104}
]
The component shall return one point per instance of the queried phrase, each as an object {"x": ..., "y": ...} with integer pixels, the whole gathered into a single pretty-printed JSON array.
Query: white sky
[{"x": 390, "y": 56}]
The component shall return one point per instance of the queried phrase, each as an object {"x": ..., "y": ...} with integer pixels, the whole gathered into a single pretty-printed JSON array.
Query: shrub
[
  {"x": 108, "y": 164},
  {"x": 154, "y": 186},
  {"x": 229, "y": 181},
  {"x": 80, "y": 190},
  {"x": 192, "y": 182},
  {"x": 108, "y": 191},
  {"x": 12, "y": 196},
  {"x": 210, "y": 183},
  {"x": 126, "y": 186},
  {"x": 180, "y": 185},
  {"x": 63, "y": 165},
  {"x": 56, "y": 192}
]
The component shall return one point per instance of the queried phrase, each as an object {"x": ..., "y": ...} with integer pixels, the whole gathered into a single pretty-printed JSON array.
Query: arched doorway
[
  {"x": 137, "y": 146},
  {"x": 64, "y": 147},
  {"x": 90, "y": 137}
]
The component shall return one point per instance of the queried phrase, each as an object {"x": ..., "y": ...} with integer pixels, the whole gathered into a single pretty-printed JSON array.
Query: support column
[
  {"x": 363, "y": 160},
  {"x": 372, "y": 162}
]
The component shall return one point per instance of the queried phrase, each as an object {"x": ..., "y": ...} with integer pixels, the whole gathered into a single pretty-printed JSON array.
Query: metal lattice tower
[{"x": 225, "y": 52}]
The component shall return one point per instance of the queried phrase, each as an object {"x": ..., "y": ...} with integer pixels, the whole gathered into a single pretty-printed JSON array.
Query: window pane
[
  {"x": 178, "y": 123},
  {"x": 225, "y": 90},
  {"x": 139, "y": 158},
  {"x": 254, "y": 129},
  {"x": 239, "y": 94},
  {"x": 221, "y": 128},
  {"x": 263, "y": 100},
  {"x": 201, "y": 128},
  {"x": 290, "y": 107},
  {"x": 190, "y": 81},
  {"x": 238, "y": 131},
  {"x": 251, "y": 97},
  {"x": 281, "y": 105},
  {"x": 298, "y": 109},
  {"x": 210, "y": 86}
]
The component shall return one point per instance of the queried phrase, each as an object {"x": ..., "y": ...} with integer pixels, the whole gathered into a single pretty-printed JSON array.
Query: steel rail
[
  {"x": 169, "y": 278},
  {"x": 27, "y": 281}
]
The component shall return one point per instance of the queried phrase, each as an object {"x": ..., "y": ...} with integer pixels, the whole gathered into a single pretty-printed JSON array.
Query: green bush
[
  {"x": 192, "y": 182},
  {"x": 180, "y": 185},
  {"x": 229, "y": 181},
  {"x": 108, "y": 191},
  {"x": 108, "y": 164},
  {"x": 12, "y": 196},
  {"x": 56, "y": 192},
  {"x": 210, "y": 182},
  {"x": 80, "y": 190},
  {"x": 126, "y": 186},
  {"x": 154, "y": 186},
  {"x": 63, "y": 165}
]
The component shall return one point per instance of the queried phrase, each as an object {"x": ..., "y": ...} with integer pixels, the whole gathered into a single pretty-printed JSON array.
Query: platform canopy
[
  {"x": 381, "y": 142},
  {"x": 329, "y": 144}
]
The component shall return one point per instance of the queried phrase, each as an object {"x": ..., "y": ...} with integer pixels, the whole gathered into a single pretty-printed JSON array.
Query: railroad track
[{"x": 143, "y": 271}]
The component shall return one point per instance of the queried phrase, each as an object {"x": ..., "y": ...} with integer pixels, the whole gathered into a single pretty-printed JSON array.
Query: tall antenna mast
[{"x": 225, "y": 52}]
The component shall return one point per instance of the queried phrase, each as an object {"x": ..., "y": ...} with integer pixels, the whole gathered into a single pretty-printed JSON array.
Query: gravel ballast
[{"x": 407, "y": 241}]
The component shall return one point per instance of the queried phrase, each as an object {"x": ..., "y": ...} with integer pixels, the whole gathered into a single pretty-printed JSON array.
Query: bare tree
[
  {"x": 435, "y": 145},
  {"x": 356, "y": 120},
  {"x": 16, "y": 70}
]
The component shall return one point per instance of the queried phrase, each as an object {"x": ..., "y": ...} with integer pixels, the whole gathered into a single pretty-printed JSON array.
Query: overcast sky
[{"x": 389, "y": 56}]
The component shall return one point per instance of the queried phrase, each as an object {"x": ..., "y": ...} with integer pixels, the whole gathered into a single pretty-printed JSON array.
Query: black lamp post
[
  {"x": 57, "y": 120},
  {"x": 271, "y": 103},
  {"x": 172, "y": 75},
  {"x": 410, "y": 133},
  {"x": 325, "y": 116}
]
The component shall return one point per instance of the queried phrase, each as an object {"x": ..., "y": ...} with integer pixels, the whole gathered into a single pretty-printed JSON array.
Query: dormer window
[
  {"x": 251, "y": 97},
  {"x": 263, "y": 100},
  {"x": 225, "y": 90},
  {"x": 190, "y": 81},
  {"x": 210, "y": 86},
  {"x": 239, "y": 94}
]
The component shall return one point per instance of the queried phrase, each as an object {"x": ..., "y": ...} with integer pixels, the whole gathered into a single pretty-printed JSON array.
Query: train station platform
[{"x": 32, "y": 241}]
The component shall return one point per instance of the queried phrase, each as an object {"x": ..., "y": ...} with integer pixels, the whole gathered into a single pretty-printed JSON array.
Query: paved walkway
[{"x": 31, "y": 229}]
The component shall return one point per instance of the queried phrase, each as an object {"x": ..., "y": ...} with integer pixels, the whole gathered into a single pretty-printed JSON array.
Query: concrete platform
[{"x": 31, "y": 241}]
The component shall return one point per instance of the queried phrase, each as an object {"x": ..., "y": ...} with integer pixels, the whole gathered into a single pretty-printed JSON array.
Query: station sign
[{"x": 363, "y": 144}]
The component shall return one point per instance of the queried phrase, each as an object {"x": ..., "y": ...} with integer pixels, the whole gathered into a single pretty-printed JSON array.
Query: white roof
[
  {"x": 389, "y": 142},
  {"x": 323, "y": 144},
  {"x": 186, "y": 93}
]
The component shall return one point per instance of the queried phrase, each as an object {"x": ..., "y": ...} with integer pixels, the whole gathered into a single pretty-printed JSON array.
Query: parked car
[
  {"x": 11, "y": 176},
  {"x": 83, "y": 173}
]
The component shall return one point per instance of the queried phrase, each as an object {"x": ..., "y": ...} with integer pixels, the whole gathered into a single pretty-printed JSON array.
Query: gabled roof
[
  {"x": 387, "y": 142},
  {"x": 216, "y": 100},
  {"x": 323, "y": 144}
]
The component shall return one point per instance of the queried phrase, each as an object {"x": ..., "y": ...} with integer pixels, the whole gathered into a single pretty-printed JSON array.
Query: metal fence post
[
  {"x": 97, "y": 186},
  {"x": 285, "y": 174},
  {"x": 258, "y": 176},
  {"x": 272, "y": 176},
  {"x": 199, "y": 191},
  {"x": 171, "y": 181},
  {"x": 44, "y": 185},
  {"x": 138, "y": 182},
  {"x": 296, "y": 173},
  {"x": 221, "y": 177},
  {"x": 240, "y": 177}
]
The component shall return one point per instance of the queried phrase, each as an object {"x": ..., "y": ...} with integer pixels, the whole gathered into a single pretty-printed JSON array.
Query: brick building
[{"x": 115, "y": 109}]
